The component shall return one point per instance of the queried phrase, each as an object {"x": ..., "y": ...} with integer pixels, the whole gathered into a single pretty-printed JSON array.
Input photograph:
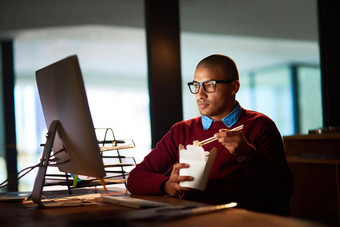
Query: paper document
[
  {"x": 200, "y": 162},
  {"x": 132, "y": 202},
  {"x": 14, "y": 196},
  {"x": 172, "y": 212}
]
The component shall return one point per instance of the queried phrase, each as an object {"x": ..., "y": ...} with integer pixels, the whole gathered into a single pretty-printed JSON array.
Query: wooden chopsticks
[{"x": 211, "y": 139}]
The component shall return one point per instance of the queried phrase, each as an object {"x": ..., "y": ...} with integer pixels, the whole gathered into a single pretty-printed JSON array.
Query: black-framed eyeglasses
[{"x": 208, "y": 86}]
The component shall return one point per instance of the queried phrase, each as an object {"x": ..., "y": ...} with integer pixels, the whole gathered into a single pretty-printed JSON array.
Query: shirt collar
[{"x": 228, "y": 120}]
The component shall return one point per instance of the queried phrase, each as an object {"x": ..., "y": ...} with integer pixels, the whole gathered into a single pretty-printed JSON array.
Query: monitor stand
[{"x": 40, "y": 178}]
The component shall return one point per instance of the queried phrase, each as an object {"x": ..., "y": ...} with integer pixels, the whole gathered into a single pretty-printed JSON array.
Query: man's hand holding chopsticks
[{"x": 234, "y": 141}]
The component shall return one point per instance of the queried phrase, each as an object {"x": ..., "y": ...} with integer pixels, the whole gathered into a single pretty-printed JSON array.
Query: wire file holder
[{"x": 116, "y": 164}]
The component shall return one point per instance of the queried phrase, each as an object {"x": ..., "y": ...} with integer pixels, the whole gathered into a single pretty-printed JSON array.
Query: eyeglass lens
[{"x": 208, "y": 86}]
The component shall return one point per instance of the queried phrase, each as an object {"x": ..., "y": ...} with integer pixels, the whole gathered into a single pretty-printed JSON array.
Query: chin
[{"x": 205, "y": 113}]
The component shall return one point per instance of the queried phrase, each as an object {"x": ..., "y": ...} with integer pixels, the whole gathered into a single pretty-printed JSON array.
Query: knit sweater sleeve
[
  {"x": 148, "y": 176},
  {"x": 267, "y": 167}
]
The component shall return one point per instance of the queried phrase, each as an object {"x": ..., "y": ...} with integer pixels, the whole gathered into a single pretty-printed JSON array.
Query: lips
[{"x": 202, "y": 104}]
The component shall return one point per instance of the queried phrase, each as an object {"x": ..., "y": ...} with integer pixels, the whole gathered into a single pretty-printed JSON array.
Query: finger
[
  {"x": 233, "y": 133},
  {"x": 226, "y": 139},
  {"x": 179, "y": 166},
  {"x": 175, "y": 170},
  {"x": 230, "y": 132},
  {"x": 178, "y": 178},
  {"x": 184, "y": 178},
  {"x": 220, "y": 135},
  {"x": 225, "y": 133}
]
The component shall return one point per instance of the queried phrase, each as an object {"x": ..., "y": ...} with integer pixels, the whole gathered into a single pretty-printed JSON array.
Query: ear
[{"x": 235, "y": 87}]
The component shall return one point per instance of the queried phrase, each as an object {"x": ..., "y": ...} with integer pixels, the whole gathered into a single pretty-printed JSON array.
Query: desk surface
[{"x": 27, "y": 213}]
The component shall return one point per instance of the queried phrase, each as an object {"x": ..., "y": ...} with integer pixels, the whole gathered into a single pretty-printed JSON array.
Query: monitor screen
[{"x": 63, "y": 98}]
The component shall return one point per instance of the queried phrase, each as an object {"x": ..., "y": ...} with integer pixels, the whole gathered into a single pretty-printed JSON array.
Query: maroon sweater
[{"x": 261, "y": 182}]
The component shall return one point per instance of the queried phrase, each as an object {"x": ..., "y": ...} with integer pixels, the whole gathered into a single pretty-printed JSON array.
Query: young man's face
[{"x": 220, "y": 103}]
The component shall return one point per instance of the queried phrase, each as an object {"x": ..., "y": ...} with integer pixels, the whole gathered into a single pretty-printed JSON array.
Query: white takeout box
[{"x": 200, "y": 162}]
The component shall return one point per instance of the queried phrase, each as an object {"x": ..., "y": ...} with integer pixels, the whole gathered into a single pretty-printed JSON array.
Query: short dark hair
[{"x": 227, "y": 65}]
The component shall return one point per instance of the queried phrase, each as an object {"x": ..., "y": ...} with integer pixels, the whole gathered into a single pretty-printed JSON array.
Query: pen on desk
[
  {"x": 102, "y": 181},
  {"x": 110, "y": 141}
]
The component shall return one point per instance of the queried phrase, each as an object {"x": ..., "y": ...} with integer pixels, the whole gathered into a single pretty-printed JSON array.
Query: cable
[
  {"x": 57, "y": 152},
  {"x": 30, "y": 168},
  {"x": 59, "y": 163},
  {"x": 11, "y": 181}
]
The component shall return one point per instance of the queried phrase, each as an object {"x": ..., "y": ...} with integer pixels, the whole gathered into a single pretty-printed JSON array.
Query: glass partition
[
  {"x": 309, "y": 98},
  {"x": 272, "y": 96},
  {"x": 113, "y": 64}
]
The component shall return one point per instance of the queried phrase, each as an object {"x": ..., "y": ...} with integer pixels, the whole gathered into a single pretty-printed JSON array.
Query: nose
[{"x": 201, "y": 93}]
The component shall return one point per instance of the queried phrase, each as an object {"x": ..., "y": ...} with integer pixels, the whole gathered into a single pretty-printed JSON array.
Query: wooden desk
[{"x": 28, "y": 214}]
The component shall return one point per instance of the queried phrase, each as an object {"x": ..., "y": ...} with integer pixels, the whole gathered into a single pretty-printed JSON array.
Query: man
[{"x": 250, "y": 167}]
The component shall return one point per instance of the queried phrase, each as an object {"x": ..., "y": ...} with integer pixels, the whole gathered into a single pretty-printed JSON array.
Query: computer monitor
[{"x": 67, "y": 115}]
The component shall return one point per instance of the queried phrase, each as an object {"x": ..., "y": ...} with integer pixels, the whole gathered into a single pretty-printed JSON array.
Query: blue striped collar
[{"x": 229, "y": 120}]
